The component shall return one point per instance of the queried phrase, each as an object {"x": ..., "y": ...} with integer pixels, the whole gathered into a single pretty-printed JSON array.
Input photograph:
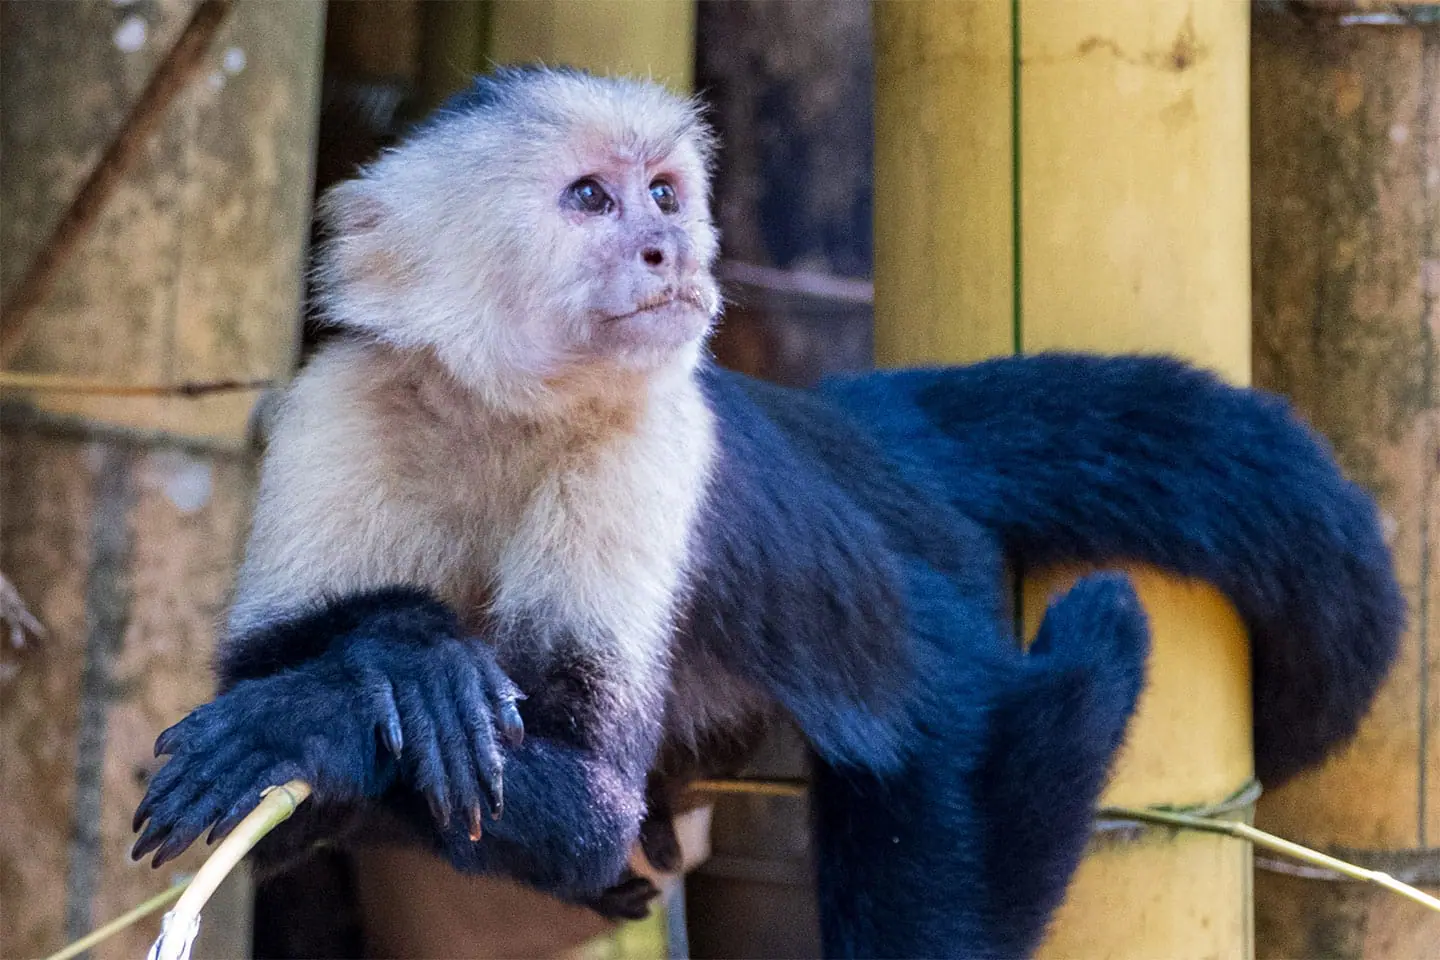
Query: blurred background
[{"x": 1255, "y": 186}]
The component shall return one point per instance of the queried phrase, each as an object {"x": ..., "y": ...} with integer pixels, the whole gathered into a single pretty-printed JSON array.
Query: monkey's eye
[
  {"x": 664, "y": 196},
  {"x": 587, "y": 195}
]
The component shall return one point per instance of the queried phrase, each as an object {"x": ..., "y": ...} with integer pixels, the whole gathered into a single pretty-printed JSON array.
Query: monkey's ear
[
  {"x": 351, "y": 208},
  {"x": 360, "y": 255}
]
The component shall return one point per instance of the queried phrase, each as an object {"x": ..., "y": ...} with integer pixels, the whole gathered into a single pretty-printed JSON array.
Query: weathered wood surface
[
  {"x": 193, "y": 270},
  {"x": 1346, "y": 214},
  {"x": 125, "y": 542},
  {"x": 82, "y": 709}
]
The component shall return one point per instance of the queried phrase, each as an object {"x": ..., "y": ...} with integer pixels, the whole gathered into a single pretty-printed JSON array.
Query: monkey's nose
[{"x": 654, "y": 256}]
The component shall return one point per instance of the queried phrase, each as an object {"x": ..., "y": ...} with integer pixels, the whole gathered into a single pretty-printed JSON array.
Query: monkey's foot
[
  {"x": 660, "y": 843},
  {"x": 629, "y": 899},
  {"x": 435, "y": 707}
]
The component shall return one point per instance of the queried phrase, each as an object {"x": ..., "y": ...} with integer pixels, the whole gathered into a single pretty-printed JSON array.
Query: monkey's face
[
  {"x": 633, "y": 235},
  {"x": 558, "y": 232}
]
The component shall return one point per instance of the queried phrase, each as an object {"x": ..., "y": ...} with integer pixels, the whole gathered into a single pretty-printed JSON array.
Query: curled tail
[{"x": 1089, "y": 459}]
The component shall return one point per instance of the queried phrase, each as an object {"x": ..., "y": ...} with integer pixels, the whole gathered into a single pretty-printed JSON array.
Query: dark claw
[
  {"x": 171, "y": 848},
  {"x": 149, "y": 840},
  {"x": 393, "y": 738},
  {"x": 165, "y": 741},
  {"x": 495, "y": 795},
  {"x": 439, "y": 809},
  {"x": 505, "y": 695},
  {"x": 481, "y": 762},
  {"x": 383, "y": 700},
  {"x": 512, "y": 728},
  {"x": 142, "y": 812}
]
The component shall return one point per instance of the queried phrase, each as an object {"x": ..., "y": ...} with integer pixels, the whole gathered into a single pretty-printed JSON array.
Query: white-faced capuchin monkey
[{"x": 519, "y": 545}]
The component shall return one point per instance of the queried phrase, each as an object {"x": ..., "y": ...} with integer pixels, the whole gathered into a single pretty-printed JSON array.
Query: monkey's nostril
[{"x": 653, "y": 256}]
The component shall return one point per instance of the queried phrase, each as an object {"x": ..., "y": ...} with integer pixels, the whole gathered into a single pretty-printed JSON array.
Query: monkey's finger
[
  {"x": 468, "y": 696},
  {"x": 512, "y": 728},
  {"x": 142, "y": 811},
  {"x": 426, "y": 765},
  {"x": 187, "y": 774},
  {"x": 249, "y": 798},
  {"x": 185, "y": 833},
  {"x": 165, "y": 743},
  {"x": 189, "y": 810},
  {"x": 457, "y": 692},
  {"x": 381, "y": 695},
  {"x": 202, "y": 729},
  {"x": 223, "y": 763},
  {"x": 165, "y": 781},
  {"x": 157, "y": 831},
  {"x": 238, "y": 811},
  {"x": 504, "y": 695},
  {"x": 153, "y": 836},
  {"x": 247, "y": 779},
  {"x": 461, "y": 775}
]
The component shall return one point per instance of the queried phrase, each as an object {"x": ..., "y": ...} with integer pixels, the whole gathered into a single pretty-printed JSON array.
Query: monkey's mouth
[{"x": 689, "y": 296}]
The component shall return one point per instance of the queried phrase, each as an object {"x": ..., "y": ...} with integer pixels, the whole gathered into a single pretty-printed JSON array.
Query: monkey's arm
[
  {"x": 400, "y": 711},
  {"x": 1075, "y": 458}
]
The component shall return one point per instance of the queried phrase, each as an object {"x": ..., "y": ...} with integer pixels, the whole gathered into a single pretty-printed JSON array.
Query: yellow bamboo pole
[
  {"x": 644, "y": 38},
  {"x": 1075, "y": 175}
]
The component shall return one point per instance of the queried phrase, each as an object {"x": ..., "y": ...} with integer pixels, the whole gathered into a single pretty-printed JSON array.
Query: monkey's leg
[{"x": 969, "y": 848}]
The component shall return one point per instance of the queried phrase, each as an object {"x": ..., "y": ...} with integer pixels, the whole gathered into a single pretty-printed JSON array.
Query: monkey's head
[{"x": 545, "y": 229}]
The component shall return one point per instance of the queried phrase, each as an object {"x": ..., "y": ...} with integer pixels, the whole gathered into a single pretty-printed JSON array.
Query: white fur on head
[{"x": 456, "y": 241}]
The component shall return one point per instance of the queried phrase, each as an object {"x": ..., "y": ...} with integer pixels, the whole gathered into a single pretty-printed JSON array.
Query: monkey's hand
[{"x": 350, "y": 722}]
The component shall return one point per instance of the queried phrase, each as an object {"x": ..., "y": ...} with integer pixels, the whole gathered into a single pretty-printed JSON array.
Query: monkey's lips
[
  {"x": 685, "y": 300},
  {"x": 665, "y": 321}
]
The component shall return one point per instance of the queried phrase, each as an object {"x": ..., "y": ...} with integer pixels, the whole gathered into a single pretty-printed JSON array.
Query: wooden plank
[
  {"x": 45, "y": 497},
  {"x": 128, "y": 547}
]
